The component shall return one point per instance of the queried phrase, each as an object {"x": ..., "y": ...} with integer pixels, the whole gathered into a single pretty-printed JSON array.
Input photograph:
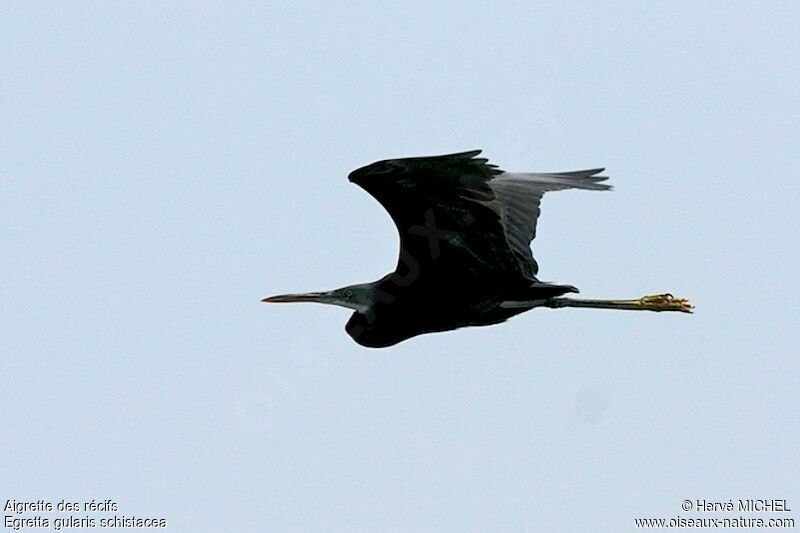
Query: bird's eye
[{"x": 348, "y": 293}]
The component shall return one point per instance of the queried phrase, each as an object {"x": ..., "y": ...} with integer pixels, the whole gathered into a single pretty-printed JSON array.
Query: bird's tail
[{"x": 541, "y": 290}]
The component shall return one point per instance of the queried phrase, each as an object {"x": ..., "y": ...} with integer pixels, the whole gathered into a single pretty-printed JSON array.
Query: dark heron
[{"x": 465, "y": 259}]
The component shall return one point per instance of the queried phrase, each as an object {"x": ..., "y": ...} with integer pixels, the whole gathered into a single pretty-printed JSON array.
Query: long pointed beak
[{"x": 319, "y": 297}]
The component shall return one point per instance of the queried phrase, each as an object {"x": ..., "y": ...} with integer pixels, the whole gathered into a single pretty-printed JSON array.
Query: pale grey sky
[{"x": 167, "y": 165}]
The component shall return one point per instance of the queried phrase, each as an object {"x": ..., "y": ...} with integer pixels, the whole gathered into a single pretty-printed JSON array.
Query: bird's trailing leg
[{"x": 654, "y": 302}]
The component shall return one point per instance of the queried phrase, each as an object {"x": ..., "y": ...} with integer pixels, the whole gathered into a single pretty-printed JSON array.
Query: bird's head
[{"x": 358, "y": 297}]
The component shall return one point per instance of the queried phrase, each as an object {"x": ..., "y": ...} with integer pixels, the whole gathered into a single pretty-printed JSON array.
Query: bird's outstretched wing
[{"x": 462, "y": 217}]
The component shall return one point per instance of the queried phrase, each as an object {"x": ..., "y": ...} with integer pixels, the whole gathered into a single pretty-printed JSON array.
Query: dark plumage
[{"x": 465, "y": 230}]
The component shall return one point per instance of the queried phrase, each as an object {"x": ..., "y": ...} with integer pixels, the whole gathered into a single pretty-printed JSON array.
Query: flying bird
[{"x": 465, "y": 259}]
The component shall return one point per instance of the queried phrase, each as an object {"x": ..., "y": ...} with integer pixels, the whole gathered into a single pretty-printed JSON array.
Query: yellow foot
[{"x": 665, "y": 302}]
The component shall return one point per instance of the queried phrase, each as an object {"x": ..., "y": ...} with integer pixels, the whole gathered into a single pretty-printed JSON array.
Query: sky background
[{"x": 165, "y": 166}]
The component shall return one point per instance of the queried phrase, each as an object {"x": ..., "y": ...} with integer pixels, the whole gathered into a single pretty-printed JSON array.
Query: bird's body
[
  {"x": 425, "y": 306},
  {"x": 465, "y": 260}
]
